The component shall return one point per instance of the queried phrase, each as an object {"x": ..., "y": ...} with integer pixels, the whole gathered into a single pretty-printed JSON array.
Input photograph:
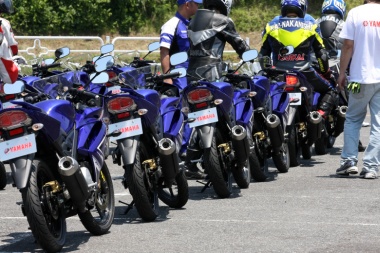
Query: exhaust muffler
[
  {"x": 75, "y": 181},
  {"x": 342, "y": 110},
  {"x": 169, "y": 160},
  {"x": 339, "y": 125},
  {"x": 275, "y": 131},
  {"x": 314, "y": 128},
  {"x": 240, "y": 144}
]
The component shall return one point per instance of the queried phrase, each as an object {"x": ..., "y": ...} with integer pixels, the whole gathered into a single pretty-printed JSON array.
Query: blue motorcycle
[
  {"x": 220, "y": 115},
  {"x": 145, "y": 126},
  {"x": 55, "y": 149}
]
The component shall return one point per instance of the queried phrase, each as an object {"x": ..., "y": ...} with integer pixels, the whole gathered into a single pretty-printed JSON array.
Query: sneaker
[
  {"x": 349, "y": 167},
  {"x": 368, "y": 175}
]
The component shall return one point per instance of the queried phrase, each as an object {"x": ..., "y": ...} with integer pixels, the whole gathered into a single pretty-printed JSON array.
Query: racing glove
[{"x": 354, "y": 87}]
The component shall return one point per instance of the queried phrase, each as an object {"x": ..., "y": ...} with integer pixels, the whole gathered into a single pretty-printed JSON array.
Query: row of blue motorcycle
[{"x": 62, "y": 125}]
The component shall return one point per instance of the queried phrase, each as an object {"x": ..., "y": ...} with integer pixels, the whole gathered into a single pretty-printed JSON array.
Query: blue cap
[{"x": 185, "y": 1}]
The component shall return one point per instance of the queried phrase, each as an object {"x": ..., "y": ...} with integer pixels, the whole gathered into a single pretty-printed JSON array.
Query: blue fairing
[
  {"x": 61, "y": 110},
  {"x": 262, "y": 88}
]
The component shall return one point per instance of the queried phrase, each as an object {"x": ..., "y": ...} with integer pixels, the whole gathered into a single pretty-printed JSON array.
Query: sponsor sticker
[
  {"x": 203, "y": 117},
  {"x": 114, "y": 89},
  {"x": 127, "y": 128},
  {"x": 295, "y": 98},
  {"x": 7, "y": 105},
  {"x": 17, "y": 147}
]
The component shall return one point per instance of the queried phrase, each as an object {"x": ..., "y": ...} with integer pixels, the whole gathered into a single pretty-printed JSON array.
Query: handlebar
[{"x": 162, "y": 77}]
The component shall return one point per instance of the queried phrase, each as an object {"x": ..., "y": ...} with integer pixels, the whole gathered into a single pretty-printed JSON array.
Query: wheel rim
[
  {"x": 50, "y": 208},
  {"x": 103, "y": 204}
]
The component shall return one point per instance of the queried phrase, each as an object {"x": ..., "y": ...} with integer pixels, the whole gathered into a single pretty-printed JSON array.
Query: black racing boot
[
  {"x": 191, "y": 169},
  {"x": 361, "y": 148},
  {"x": 329, "y": 100}
]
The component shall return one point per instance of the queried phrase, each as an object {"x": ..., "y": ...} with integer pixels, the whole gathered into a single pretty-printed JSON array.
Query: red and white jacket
[{"x": 8, "y": 69}]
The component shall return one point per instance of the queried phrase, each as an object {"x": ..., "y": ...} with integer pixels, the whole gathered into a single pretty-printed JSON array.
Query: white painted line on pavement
[{"x": 283, "y": 222}]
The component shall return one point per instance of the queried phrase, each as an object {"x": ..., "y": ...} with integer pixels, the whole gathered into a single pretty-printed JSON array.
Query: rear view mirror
[
  {"x": 62, "y": 52},
  {"x": 154, "y": 46},
  {"x": 250, "y": 55},
  {"x": 178, "y": 58},
  {"x": 107, "y": 48},
  {"x": 103, "y": 63},
  {"x": 16, "y": 87},
  {"x": 99, "y": 77}
]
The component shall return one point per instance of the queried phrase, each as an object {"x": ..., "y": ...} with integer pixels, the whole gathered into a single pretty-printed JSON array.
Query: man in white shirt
[{"x": 361, "y": 34}]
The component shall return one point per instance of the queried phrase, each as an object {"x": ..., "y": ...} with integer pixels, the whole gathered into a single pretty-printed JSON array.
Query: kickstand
[
  {"x": 129, "y": 206},
  {"x": 206, "y": 185}
]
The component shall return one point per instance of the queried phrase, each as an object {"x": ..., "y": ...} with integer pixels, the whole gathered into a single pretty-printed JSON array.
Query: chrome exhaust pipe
[
  {"x": 75, "y": 181},
  {"x": 314, "y": 128},
  {"x": 342, "y": 110},
  {"x": 238, "y": 133},
  {"x": 169, "y": 160},
  {"x": 315, "y": 117},
  {"x": 340, "y": 119},
  {"x": 275, "y": 131},
  {"x": 240, "y": 144}
]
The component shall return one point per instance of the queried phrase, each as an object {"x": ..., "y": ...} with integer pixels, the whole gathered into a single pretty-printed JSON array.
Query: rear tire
[
  {"x": 306, "y": 151},
  {"x": 138, "y": 185},
  {"x": 48, "y": 228},
  {"x": 242, "y": 175},
  {"x": 168, "y": 196},
  {"x": 3, "y": 176},
  {"x": 281, "y": 159},
  {"x": 293, "y": 147},
  {"x": 258, "y": 162},
  {"x": 217, "y": 175},
  {"x": 104, "y": 206},
  {"x": 320, "y": 145}
]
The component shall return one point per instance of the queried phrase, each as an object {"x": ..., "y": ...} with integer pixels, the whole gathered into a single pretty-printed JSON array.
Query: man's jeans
[{"x": 357, "y": 109}]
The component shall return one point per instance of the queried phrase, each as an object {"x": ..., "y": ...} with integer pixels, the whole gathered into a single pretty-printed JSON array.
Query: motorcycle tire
[
  {"x": 48, "y": 228},
  {"x": 282, "y": 159},
  {"x": 138, "y": 186},
  {"x": 330, "y": 141},
  {"x": 320, "y": 145},
  {"x": 242, "y": 175},
  {"x": 293, "y": 146},
  {"x": 306, "y": 151},
  {"x": 98, "y": 219},
  {"x": 218, "y": 177},
  {"x": 258, "y": 163},
  {"x": 178, "y": 198},
  {"x": 3, "y": 176}
]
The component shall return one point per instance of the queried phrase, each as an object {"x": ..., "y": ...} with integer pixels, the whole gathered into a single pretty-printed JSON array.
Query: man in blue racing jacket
[{"x": 296, "y": 28}]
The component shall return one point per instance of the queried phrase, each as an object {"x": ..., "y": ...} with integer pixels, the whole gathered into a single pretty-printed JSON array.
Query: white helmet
[{"x": 224, "y": 6}]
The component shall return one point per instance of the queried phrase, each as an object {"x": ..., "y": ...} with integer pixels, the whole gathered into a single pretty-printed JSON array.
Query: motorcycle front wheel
[
  {"x": 44, "y": 213},
  {"x": 177, "y": 195},
  {"x": 98, "y": 218},
  {"x": 139, "y": 187},
  {"x": 3, "y": 176}
]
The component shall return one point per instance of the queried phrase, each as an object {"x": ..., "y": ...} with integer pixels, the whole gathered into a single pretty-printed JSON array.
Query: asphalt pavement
[{"x": 308, "y": 209}]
